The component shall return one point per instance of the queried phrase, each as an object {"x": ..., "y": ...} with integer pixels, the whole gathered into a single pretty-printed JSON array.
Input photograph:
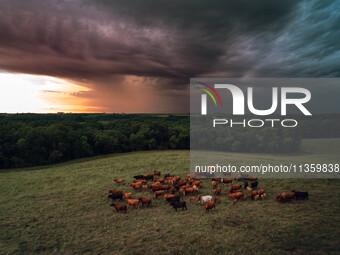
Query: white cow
[{"x": 204, "y": 199}]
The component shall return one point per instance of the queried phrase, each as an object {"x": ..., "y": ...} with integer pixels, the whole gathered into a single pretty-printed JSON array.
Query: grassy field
[{"x": 64, "y": 209}]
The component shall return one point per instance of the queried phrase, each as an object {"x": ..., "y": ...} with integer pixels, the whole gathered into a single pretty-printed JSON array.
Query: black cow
[
  {"x": 173, "y": 199},
  {"x": 177, "y": 187},
  {"x": 177, "y": 205},
  {"x": 115, "y": 196},
  {"x": 137, "y": 177},
  {"x": 245, "y": 184},
  {"x": 300, "y": 195},
  {"x": 150, "y": 177},
  {"x": 216, "y": 179},
  {"x": 254, "y": 185}
]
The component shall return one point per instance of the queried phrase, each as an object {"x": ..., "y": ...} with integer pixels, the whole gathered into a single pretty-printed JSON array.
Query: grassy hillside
[{"x": 64, "y": 209}]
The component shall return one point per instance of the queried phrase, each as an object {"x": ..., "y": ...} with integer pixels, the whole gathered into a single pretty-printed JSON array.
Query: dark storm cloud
[{"x": 100, "y": 42}]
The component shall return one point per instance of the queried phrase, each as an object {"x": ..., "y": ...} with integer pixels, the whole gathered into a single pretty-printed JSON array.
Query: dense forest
[{"x": 36, "y": 139}]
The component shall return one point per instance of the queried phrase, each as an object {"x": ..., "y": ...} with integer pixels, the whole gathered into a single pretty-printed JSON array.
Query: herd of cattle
[{"x": 173, "y": 189}]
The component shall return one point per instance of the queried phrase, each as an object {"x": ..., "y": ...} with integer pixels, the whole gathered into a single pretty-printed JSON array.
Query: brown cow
[
  {"x": 158, "y": 193},
  {"x": 210, "y": 205},
  {"x": 128, "y": 195},
  {"x": 253, "y": 194},
  {"x": 115, "y": 191},
  {"x": 146, "y": 201},
  {"x": 168, "y": 196},
  {"x": 235, "y": 191},
  {"x": 189, "y": 191},
  {"x": 180, "y": 182},
  {"x": 182, "y": 191},
  {"x": 238, "y": 186},
  {"x": 217, "y": 199},
  {"x": 195, "y": 188},
  {"x": 237, "y": 195},
  {"x": 154, "y": 188},
  {"x": 197, "y": 183},
  {"x": 140, "y": 181},
  {"x": 192, "y": 198},
  {"x": 172, "y": 190},
  {"x": 133, "y": 202},
  {"x": 160, "y": 180},
  {"x": 261, "y": 191},
  {"x": 217, "y": 191},
  {"x": 226, "y": 180},
  {"x": 118, "y": 181},
  {"x": 137, "y": 186},
  {"x": 285, "y": 197},
  {"x": 119, "y": 207}
]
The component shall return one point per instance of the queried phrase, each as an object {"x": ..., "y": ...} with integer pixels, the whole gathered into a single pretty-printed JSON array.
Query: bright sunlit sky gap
[{"x": 22, "y": 93}]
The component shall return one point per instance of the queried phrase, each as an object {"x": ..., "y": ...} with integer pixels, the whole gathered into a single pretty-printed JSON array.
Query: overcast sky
[{"x": 138, "y": 56}]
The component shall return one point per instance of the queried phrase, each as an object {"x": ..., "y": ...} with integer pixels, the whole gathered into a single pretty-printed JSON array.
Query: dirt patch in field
[
  {"x": 234, "y": 222},
  {"x": 290, "y": 249}
]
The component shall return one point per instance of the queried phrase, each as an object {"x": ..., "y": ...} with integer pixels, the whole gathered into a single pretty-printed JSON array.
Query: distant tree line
[
  {"x": 45, "y": 140},
  {"x": 319, "y": 126},
  {"x": 37, "y": 139},
  {"x": 264, "y": 139},
  {"x": 253, "y": 140}
]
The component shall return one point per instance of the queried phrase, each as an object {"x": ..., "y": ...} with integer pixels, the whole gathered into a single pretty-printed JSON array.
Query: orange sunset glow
[
  {"x": 40, "y": 94},
  {"x": 23, "y": 93}
]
